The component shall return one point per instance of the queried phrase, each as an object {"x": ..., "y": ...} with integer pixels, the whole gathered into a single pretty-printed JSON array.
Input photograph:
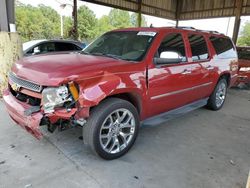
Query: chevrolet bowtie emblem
[{"x": 15, "y": 87}]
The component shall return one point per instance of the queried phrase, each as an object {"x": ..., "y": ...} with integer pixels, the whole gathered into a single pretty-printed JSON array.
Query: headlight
[{"x": 53, "y": 97}]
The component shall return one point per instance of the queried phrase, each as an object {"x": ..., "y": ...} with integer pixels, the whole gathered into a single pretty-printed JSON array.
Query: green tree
[
  {"x": 86, "y": 23},
  {"x": 35, "y": 23},
  {"x": 67, "y": 26},
  {"x": 119, "y": 18},
  {"x": 244, "y": 39},
  {"x": 134, "y": 20},
  {"x": 103, "y": 25}
]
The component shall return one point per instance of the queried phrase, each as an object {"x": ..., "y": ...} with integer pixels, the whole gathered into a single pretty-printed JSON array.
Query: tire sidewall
[
  {"x": 213, "y": 97},
  {"x": 100, "y": 118}
]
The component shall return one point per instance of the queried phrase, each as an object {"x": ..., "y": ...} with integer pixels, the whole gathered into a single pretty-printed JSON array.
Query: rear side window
[
  {"x": 198, "y": 46},
  {"x": 224, "y": 47}
]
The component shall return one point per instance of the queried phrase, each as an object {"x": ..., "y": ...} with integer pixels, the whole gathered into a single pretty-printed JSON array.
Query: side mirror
[{"x": 168, "y": 57}]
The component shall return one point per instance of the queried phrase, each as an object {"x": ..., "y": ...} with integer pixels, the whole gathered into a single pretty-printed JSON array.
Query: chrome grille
[{"x": 24, "y": 83}]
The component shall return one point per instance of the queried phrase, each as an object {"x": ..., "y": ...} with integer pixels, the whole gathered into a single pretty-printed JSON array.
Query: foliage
[
  {"x": 119, "y": 18},
  {"x": 134, "y": 20},
  {"x": 86, "y": 23},
  {"x": 37, "y": 22},
  {"x": 244, "y": 39},
  {"x": 44, "y": 22}
]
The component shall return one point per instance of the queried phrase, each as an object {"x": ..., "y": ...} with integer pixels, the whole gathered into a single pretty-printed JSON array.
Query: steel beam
[
  {"x": 139, "y": 13},
  {"x": 178, "y": 11},
  {"x": 3, "y": 16},
  {"x": 237, "y": 21}
]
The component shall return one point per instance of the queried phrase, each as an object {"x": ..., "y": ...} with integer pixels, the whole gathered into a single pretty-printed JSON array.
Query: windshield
[{"x": 129, "y": 45}]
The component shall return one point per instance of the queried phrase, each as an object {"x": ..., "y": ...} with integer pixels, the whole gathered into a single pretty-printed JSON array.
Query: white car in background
[{"x": 36, "y": 47}]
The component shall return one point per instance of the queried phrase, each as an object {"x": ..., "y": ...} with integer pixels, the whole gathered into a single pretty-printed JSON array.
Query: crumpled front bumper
[{"x": 16, "y": 111}]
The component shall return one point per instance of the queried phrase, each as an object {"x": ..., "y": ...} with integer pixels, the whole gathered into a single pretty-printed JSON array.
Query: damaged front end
[{"x": 54, "y": 107}]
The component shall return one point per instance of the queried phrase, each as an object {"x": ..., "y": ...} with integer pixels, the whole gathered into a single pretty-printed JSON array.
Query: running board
[{"x": 166, "y": 116}]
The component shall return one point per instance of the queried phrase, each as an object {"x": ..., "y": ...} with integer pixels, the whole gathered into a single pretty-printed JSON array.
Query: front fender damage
[{"x": 92, "y": 93}]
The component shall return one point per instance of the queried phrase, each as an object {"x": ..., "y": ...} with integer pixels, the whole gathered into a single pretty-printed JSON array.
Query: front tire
[
  {"x": 112, "y": 128},
  {"x": 218, "y": 97}
]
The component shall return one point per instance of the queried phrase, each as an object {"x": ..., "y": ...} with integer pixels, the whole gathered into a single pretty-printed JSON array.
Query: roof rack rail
[
  {"x": 192, "y": 28},
  {"x": 185, "y": 27}
]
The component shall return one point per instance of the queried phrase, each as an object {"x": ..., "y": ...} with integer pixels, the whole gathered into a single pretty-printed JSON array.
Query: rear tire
[
  {"x": 218, "y": 97},
  {"x": 112, "y": 128}
]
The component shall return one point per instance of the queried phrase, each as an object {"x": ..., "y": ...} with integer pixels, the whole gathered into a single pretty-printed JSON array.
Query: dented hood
[{"x": 53, "y": 70}]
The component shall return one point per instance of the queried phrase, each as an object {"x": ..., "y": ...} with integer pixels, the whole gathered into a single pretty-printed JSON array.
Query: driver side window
[{"x": 172, "y": 48}]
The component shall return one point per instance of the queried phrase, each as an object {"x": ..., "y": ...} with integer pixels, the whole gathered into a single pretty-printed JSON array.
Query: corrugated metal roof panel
[
  {"x": 189, "y": 9},
  {"x": 196, "y": 9}
]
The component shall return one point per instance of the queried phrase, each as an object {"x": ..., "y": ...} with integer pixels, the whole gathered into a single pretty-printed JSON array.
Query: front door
[{"x": 170, "y": 76}]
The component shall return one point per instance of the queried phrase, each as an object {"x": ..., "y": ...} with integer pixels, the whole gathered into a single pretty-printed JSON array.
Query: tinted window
[
  {"x": 243, "y": 53},
  {"x": 172, "y": 47},
  {"x": 63, "y": 46},
  {"x": 198, "y": 47},
  {"x": 42, "y": 48},
  {"x": 223, "y": 47}
]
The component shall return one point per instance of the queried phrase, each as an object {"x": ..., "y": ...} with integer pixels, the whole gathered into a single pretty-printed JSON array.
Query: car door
[
  {"x": 169, "y": 76},
  {"x": 201, "y": 66}
]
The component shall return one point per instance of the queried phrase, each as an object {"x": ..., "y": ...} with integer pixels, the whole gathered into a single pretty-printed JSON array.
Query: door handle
[
  {"x": 209, "y": 67},
  {"x": 186, "y": 71}
]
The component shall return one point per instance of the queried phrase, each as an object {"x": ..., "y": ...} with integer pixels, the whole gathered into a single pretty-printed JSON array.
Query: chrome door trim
[{"x": 180, "y": 91}]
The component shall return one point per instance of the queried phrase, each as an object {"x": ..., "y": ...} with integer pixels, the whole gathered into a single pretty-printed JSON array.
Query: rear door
[
  {"x": 201, "y": 81},
  {"x": 169, "y": 84}
]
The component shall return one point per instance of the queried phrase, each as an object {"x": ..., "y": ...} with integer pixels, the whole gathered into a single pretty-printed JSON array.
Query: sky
[{"x": 222, "y": 25}]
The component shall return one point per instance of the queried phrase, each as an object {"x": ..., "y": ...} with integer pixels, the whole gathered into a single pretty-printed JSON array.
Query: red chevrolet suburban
[{"x": 125, "y": 78}]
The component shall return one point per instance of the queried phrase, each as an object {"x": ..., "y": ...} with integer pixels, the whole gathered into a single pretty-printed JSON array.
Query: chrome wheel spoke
[
  {"x": 220, "y": 95},
  {"x": 108, "y": 141},
  {"x": 123, "y": 117},
  {"x": 115, "y": 141},
  {"x": 124, "y": 138}
]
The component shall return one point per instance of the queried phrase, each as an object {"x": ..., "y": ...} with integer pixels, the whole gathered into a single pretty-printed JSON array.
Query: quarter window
[
  {"x": 224, "y": 47},
  {"x": 199, "y": 47}
]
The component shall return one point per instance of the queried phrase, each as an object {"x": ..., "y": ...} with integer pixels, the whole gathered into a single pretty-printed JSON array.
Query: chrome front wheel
[
  {"x": 112, "y": 128},
  {"x": 117, "y": 131}
]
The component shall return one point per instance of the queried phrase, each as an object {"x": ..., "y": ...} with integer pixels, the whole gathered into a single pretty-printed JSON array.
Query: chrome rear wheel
[{"x": 221, "y": 94}]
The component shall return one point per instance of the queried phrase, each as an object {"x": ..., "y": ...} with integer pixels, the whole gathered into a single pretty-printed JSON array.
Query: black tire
[
  {"x": 98, "y": 116},
  {"x": 212, "y": 104}
]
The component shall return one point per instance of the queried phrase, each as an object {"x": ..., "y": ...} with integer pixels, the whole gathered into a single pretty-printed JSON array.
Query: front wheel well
[{"x": 130, "y": 97}]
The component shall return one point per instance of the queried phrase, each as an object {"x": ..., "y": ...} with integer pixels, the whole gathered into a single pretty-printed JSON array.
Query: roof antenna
[{"x": 151, "y": 25}]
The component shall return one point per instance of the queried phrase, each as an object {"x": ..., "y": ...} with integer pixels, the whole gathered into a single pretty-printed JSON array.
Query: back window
[
  {"x": 199, "y": 47},
  {"x": 224, "y": 47}
]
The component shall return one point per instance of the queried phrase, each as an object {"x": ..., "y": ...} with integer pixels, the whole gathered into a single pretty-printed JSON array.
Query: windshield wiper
[{"x": 105, "y": 55}]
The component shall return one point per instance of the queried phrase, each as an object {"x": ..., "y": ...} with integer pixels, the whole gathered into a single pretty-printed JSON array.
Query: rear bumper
[{"x": 16, "y": 111}]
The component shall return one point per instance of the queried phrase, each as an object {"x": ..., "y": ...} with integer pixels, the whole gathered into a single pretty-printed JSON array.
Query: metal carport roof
[{"x": 184, "y": 9}]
